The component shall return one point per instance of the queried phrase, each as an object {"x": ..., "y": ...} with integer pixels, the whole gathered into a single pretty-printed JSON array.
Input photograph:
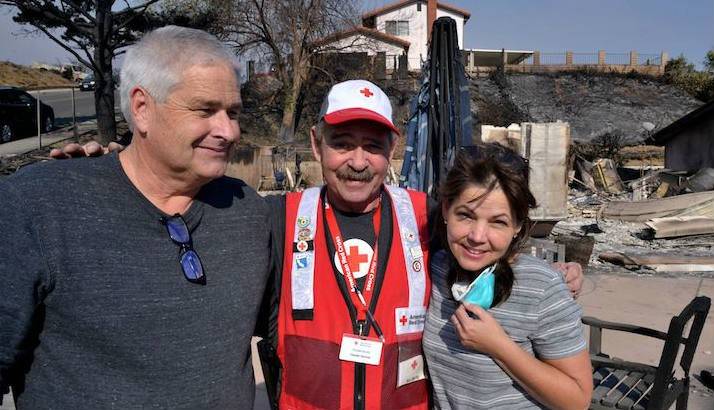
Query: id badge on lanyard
[{"x": 361, "y": 349}]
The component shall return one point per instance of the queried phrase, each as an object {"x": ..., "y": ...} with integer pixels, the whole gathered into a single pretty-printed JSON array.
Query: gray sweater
[{"x": 95, "y": 311}]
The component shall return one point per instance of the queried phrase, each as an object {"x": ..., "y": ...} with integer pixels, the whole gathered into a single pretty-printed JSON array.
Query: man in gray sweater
[{"x": 134, "y": 280}]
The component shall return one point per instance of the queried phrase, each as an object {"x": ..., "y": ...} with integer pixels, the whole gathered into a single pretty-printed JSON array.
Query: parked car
[
  {"x": 18, "y": 114},
  {"x": 88, "y": 84}
]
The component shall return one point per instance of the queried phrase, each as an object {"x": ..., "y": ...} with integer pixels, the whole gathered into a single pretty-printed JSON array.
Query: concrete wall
[
  {"x": 692, "y": 149},
  {"x": 609, "y": 68},
  {"x": 546, "y": 147},
  {"x": 598, "y": 63}
]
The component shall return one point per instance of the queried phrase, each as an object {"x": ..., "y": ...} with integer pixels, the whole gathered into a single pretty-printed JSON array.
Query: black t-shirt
[{"x": 356, "y": 226}]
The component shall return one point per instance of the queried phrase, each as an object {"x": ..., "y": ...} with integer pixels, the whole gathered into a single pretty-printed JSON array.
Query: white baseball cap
[{"x": 357, "y": 100}]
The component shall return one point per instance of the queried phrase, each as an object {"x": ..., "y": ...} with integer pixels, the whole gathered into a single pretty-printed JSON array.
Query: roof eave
[
  {"x": 378, "y": 35},
  {"x": 665, "y": 134},
  {"x": 396, "y": 5}
]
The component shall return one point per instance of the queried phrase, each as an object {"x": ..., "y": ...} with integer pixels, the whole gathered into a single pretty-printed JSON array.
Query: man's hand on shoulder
[
  {"x": 573, "y": 275},
  {"x": 90, "y": 149}
]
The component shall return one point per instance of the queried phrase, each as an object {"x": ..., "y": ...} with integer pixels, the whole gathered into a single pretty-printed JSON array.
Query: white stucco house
[
  {"x": 398, "y": 28},
  {"x": 409, "y": 20},
  {"x": 367, "y": 40}
]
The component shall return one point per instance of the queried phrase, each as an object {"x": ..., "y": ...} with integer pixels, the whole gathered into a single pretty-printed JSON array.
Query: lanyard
[{"x": 360, "y": 300}]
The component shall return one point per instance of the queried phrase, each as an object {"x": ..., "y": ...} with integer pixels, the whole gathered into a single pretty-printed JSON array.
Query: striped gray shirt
[{"x": 540, "y": 315}]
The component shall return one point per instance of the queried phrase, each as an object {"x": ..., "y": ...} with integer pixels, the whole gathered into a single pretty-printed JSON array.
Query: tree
[
  {"x": 699, "y": 84},
  {"x": 288, "y": 34},
  {"x": 95, "y": 32},
  {"x": 709, "y": 61},
  {"x": 677, "y": 68}
]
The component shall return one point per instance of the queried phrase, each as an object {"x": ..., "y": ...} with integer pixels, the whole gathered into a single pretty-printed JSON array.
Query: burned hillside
[{"x": 595, "y": 104}]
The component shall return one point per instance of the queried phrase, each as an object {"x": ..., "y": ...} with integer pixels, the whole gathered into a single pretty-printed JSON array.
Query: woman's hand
[
  {"x": 484, "y": 334},
  {"x": 559, "y": 383}
]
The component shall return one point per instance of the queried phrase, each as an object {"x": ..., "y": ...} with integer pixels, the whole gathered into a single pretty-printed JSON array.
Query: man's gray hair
[{"x": 156, "y": 63}]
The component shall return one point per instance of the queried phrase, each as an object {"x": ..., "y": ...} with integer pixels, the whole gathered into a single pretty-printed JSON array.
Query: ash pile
[{"x": 614, "y": 208}]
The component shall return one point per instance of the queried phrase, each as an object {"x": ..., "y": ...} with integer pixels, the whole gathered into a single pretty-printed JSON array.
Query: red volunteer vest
[{"x": 312, "y": 376}]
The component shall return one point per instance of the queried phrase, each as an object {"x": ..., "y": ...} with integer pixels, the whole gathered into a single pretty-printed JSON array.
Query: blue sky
[{"x": 617, "y": 26}]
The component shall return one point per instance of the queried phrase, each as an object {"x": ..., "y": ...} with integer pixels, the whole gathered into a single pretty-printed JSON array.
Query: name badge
[
  {"x": 360, "y": 349},
  {"x": 410, "y": 370}
]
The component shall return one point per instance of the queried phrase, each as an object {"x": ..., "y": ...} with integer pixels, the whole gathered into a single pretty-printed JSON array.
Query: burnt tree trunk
[
  {"x": 287, "y": 125},
  {"x": 298, "y": 75},
  {"x": 103, "y": 75}
]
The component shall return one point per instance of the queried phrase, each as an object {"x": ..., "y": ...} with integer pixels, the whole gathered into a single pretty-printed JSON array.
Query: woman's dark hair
[{"x": 490, "y": 166}]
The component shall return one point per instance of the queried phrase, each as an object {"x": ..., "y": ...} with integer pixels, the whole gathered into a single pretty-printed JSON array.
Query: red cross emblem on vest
[
  {"x": 414, "y": 364},
  {"x": 355, "y": 259},
  {"x": 367, "y": 93},
  {"x": 403, "y": 320}
]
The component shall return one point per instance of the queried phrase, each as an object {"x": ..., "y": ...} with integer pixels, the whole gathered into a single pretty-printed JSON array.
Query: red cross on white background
[
  {"x": 367, "y": 93},
  {"x": 414, "y": 364},
  {"x": 403, "y": 320},
  {"x": 355, "y": 259}
]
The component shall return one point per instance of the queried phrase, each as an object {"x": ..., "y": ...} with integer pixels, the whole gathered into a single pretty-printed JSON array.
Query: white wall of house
[
  {"x": 359, "y": 43},
  {"x": 418, "y": 29},
  {"x": 459, "y": 24}
]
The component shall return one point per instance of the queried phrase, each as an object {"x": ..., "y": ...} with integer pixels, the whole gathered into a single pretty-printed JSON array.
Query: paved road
[
  {"x": 61, "y": 101},
  {"x": 28, "y": 144}
]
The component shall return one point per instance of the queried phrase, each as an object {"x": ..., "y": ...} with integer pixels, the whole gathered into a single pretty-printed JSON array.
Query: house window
[
  {"x": 397, "y": 28},
  {"x": 418, "y": 6}
]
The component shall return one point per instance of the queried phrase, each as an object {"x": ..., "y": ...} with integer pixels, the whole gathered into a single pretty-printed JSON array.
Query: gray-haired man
[{"x": 152, "y": 302}]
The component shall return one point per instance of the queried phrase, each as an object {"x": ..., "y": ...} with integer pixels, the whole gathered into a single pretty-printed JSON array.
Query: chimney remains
[{"x": 430, "y": 16}]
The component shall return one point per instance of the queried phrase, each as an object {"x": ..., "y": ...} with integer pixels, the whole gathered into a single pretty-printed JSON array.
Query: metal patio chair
[{"x": 622, "y": 384}]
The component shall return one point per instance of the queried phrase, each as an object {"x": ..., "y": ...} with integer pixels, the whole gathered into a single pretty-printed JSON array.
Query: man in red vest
[{"x": 351, "y": 286}]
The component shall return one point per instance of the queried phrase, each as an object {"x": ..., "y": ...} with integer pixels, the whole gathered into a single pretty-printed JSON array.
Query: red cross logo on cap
[
  {"x": 367, "y": 93},
  {"x": 403, "y": 320}
]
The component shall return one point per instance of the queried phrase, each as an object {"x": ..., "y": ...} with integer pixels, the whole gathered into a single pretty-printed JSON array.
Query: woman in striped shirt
[{"x": 502, "y": 329}]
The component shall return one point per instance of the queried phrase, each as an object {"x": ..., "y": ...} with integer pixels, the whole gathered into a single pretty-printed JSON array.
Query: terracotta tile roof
[
  {"x": 399, "y": 4},
  {"x": 368, "y": 32}
]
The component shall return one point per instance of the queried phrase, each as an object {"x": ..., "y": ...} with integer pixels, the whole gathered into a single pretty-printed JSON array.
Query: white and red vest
[{"x": 313, "y": 313}]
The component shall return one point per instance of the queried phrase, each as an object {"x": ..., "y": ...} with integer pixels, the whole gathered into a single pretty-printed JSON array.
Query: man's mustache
[{"x": 350, "y": 174}]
